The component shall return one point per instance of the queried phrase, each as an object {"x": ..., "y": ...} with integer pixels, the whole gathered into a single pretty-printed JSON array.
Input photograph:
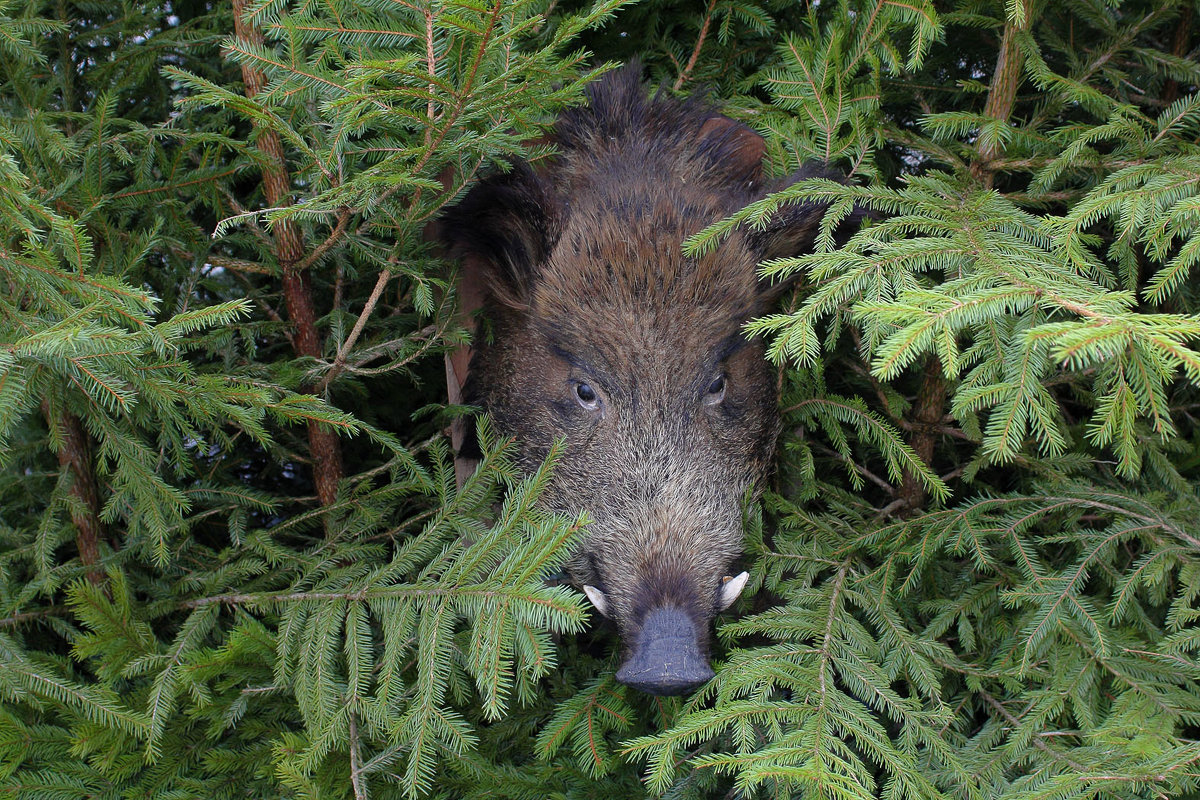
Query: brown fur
[{"x": 588, "y": 283}]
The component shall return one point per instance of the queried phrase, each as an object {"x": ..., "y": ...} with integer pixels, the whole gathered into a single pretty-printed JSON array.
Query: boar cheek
[
  {"x": 747, "y": 421},
  {"x": 518, "y": 377}
]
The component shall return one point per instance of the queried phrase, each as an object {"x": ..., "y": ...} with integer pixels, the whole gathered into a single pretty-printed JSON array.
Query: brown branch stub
[
  {"x": 324, "y": 447},
  {"x": 76, "y": 455}
]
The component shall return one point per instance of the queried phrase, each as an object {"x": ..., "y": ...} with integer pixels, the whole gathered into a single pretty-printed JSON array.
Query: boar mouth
[
  {"x": 668, "y": 653},
  {"x": 667, "y": 658}
]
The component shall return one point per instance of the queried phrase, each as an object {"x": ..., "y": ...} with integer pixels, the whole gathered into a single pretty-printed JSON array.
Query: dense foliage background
[{"x": 233, "y": 558}]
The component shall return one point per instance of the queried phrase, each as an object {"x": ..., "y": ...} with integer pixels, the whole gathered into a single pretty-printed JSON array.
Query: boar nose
[{"x": 666, "y": 658}]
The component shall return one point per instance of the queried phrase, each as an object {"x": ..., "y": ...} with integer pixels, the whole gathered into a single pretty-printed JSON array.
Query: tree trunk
[
  {"x": 76, "y": 455},
  {"x": 929, "y": 408},
  {"x": 1002, "y": 96},
  {"x": 323, "y": 444},
  {"x": 924, "y": 417}
]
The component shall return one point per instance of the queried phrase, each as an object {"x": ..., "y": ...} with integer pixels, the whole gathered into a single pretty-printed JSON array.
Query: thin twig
[
  {"x": 431, "y": 68},
  {"x": 687, "y": 71},
  {"x": 339, "y": 362},
  {"x": 30, "y": 616},
  {"x": 339, "y": 288},
  {"x": 356, "y": 777},
  {"x": 330, "y": 241},
  {"x": 827, "y": 640},
  {"x": 1037, "y": 742},
  {"x": 859, "y": 468}
]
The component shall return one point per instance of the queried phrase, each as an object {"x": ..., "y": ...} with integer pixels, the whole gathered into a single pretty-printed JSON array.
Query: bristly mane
[{"x": 658, "y": 132}]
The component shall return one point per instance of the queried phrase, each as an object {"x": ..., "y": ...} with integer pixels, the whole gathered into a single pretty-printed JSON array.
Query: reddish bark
[{"x": 323, "y": 444}]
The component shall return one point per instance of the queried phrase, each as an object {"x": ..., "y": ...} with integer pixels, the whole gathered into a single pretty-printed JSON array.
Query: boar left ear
[
  {"x": 506, "y": 226},
  {"x": 793, "y": 229}
]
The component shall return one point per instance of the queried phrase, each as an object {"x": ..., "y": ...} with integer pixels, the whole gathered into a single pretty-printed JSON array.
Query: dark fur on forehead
[{"x": 620, "y": 115}]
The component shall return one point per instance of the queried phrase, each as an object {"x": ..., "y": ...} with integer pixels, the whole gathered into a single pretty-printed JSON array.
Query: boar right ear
[
  {"x": 506, "y": 225},
  {"x": 734, "y": 150},
  {"x": 792, "y": 229}
]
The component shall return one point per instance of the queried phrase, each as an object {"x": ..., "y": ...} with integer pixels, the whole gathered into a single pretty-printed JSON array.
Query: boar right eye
[
  {"x": 716, "y": 391},
  {"x": 587, "y": 396}
]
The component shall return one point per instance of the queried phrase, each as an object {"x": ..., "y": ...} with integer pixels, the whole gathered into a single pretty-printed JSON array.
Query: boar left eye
[{"x": 716, "y": 391}]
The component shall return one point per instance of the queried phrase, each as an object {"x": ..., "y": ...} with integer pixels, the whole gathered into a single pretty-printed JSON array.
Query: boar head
[{"x": 601, "y": 333}]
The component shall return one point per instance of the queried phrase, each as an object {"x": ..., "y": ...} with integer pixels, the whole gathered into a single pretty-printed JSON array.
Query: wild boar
[{"x": 600, "y": 332}]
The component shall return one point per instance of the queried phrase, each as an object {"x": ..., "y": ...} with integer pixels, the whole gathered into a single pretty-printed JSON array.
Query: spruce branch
[{"x": 1036, "y": 638}]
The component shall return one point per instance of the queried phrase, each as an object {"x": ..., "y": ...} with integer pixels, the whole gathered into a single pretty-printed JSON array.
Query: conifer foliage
[{"x": 235, "y": 560}]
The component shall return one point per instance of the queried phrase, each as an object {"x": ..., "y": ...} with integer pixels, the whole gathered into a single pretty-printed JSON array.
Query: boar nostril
[
  {"x": 666, "y": 658},
  {"x": 665, "y": 684}
]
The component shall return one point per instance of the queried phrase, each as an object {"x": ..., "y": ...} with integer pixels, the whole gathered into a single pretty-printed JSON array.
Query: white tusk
[
  {"x": 730, "y": 589},
  {"x": 597, "y": 597}
]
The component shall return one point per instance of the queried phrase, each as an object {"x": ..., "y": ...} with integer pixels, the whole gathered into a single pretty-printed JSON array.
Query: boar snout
[{"x": 667, "y": 657}]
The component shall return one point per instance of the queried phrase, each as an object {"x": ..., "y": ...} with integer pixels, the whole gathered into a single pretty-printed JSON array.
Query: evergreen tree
[{"x": 235, "y": 560}]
